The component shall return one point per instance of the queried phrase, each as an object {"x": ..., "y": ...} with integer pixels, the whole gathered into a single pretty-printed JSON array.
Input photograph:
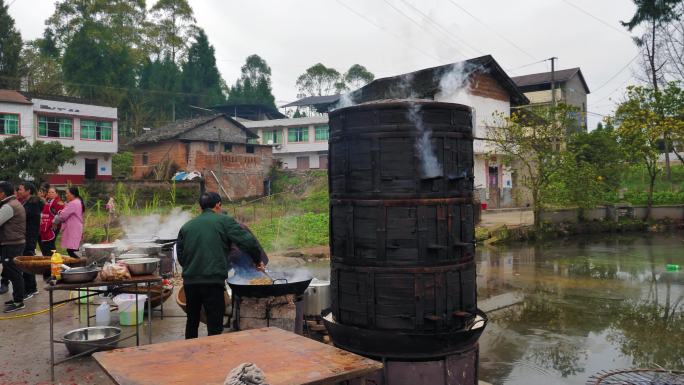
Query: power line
[
  {"x": 387, "y": 31},
  {"x": 442, "y": 29},
  {"x": 492, "y": 29},
  {"x": 597, "y": 18},
  {"x": 525, "y": 65},
  {"x": 619, "y": 72},
  {"x": 421, "y": 27}
]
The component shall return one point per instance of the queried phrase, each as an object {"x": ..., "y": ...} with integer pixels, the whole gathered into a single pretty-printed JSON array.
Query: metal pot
[
  {"x": 81, "y": 340},
  {"x": 99, "y": 252},
  {"x": 142, "y": 266},
  {"x": 80, "y": 274},
  {"x": 131, "y": 256},
  {"x": 317, "y": 297},
  {"x": 283, "y": 284},
  {"x": 149, "y": 248}
]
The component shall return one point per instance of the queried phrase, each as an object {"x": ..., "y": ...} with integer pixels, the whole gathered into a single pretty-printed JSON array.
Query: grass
[{"x": 635, "y": 185}]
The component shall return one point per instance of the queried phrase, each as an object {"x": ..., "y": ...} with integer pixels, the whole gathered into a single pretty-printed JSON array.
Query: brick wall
[
  {"x": 485, "y": 85},
  {"x": 243, "y": 173},
  {"x": 156, "y": 153}
]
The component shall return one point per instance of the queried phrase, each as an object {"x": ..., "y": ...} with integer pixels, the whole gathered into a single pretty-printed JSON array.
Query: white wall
[
  {"x": 78, "y": 111},
  {"x": 104, "y": 165},
  {"x": 25, "y": 112}
]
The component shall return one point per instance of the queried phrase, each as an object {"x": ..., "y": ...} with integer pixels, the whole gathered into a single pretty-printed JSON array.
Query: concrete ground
[
  {"x": 509, "y": 217},
  {"x": 25, "y": 347}
]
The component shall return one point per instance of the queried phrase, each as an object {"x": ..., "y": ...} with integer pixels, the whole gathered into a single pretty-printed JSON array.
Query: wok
[{"x": 281, "y": 286}]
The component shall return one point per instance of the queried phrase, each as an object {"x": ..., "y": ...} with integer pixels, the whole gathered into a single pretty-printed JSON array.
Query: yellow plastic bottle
[{"x": 56, "y": 265}]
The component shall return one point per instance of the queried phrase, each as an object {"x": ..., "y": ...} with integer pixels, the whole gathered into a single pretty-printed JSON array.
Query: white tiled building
[
  {"x": 91, "y": 130},
  {"x": 298, "y": 143}
]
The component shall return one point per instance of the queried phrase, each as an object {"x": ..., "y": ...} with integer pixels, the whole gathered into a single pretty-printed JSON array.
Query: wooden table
[
  {"x": 92, "y": 290},
  {"x": 286, "y": 359}
]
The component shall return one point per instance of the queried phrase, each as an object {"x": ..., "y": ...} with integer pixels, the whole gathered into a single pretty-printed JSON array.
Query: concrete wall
[
  {"x": 25, "y": 112},
  {"x": 675, "y": 212}
]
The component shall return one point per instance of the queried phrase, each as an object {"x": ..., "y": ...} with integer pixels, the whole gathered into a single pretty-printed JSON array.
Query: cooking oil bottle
[{"x": 56, "y": 265}]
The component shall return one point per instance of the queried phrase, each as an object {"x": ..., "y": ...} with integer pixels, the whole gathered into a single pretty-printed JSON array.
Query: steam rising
[
  {"x": 346, "y": 100},
  {"x": 155, "y": 225},
  {"x": 430, "y": 166}
]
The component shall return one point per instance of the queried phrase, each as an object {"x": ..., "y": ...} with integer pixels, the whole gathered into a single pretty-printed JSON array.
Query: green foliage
[
  {"x": 254, "y": 85},
  {"x": 201, "y": 80},
  {"x": 122, "y": 164},
  {"x": 161, "y": 79},
  {"x": 173, "y": 25},
  {"x": 292, "y": 231},
  {"x": 318, "y": 80},
  {"x": 21, "y": 160},
  {"x": 42, "y": 71},
  {"x": 532, "y": 140},
  {"x": 125, "y": 199},
  {"x": 357, "y": 76},
  {"x": 10, "y": 50},
  {"x": 642, "y": 119}
]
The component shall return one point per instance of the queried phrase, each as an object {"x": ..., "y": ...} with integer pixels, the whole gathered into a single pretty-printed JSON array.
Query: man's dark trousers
[
  {"x": 209, "y": 296},
  {"x": 11, "y": 270}
]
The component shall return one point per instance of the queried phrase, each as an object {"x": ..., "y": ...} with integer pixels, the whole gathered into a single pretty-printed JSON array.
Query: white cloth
[
  {"x": 6, "y": 213},
  {"x": 246, "y": 374}
]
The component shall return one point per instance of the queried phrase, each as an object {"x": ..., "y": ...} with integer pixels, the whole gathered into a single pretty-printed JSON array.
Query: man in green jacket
[{"x": 202, "y": 247}]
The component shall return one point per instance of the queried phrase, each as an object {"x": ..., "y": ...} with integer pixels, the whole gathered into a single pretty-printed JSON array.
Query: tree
[
  {"x": 201, "y": 80},
  {"x": 642, "y": 119},
  {"x": 318, "y": 80},
  {"x": 671, "y": 41},
  {"x": 591, "y": 167},
  {"x": 532, "y": 139},
  {"x": 172, "y": 28},
  {"x": 10, "y": 50},
  {"x": 358, "y": 76},
  {"x": 22, "y": 160},
  {"x": 98, "y": 68},
  {"x": 42, "y": 71},
  {"x": 161, "y": 82},
  {"x": 254, "y": 85},
  {"x": 654, "y": 13}
]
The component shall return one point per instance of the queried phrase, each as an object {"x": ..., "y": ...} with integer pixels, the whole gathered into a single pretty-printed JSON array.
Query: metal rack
[{"x": 92, "y": 289}]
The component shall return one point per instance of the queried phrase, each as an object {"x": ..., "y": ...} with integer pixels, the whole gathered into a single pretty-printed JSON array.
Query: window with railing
[
  {"x": 322, "y": 133},
  {"x": 273, "y": 137},
  {"x": 298, "y": 134},
  {"x": 55, "y": 127},
  {"x": 96, "y": 130},
  {"x": 9, "y": 124}
]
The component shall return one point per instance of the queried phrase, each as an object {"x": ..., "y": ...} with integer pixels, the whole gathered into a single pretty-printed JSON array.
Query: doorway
[
  {"x": 302, "y": 163},
  {"x": 91, "y": 168}
]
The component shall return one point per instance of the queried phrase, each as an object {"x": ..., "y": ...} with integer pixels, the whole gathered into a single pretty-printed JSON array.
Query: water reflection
[{"x": 565, "y": 310}]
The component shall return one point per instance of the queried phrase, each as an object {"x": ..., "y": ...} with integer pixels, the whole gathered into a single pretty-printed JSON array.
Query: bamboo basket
[
  {"x": 181, "y": 301},
  {"x": 41, "y": 265}
]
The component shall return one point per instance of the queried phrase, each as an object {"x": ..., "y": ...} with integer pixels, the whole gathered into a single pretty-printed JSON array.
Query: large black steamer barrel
[
  {"x": 375, "y": 152},
  {"x": 407, "y": 232}
]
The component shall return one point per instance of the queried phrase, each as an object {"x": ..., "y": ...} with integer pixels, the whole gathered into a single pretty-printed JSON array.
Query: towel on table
[{"x": 246, "y": 374}]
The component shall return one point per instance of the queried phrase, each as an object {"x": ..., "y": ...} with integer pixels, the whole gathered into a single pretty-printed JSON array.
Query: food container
[
  {"x": 99, "y": 252},
  {"x": 80, "y": 274},
  {"x": 131, "y": 256},
  {"x": 148, "y": 248},
  {"x": 142, "y": 266},
  {"x": 317, "y": 297},
  {"x": 81, "y": 340}
]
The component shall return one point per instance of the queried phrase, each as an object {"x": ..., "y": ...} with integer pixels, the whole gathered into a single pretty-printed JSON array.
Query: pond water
[{"x": 562, "y": 311}]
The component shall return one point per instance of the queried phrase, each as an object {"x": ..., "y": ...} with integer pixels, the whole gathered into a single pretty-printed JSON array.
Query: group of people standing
[{"x": 30, "y": 217}]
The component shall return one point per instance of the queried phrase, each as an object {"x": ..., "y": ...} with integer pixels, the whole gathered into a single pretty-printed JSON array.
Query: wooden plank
[
  {"x": 285, "y": 358},
  {"x": 98, "y": 282}
]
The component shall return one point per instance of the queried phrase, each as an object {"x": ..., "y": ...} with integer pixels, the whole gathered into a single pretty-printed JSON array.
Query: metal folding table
[{"x": 92, "y": 289}]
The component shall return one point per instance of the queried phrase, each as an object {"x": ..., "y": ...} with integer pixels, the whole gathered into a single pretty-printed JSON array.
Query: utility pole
[
  {"x": 220, "y": 156},
  {"x": 553, "y": 80}
]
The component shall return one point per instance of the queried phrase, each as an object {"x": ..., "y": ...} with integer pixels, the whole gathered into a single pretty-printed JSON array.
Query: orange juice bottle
[{"x": 56, "y": 265}]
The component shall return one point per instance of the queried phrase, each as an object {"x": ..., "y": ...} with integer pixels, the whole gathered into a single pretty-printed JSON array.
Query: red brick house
[{"x": 215, "y": 145}]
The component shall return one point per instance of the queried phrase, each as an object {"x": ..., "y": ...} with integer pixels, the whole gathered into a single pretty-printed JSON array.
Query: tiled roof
[
  {"x": 545, "y": 77},
  {"x": 11, "y": 96},
  {"x": 176, "y": 129}
]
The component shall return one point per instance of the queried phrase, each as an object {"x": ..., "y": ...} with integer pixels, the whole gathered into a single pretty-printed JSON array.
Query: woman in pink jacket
[{"x": 71, "y": 219}]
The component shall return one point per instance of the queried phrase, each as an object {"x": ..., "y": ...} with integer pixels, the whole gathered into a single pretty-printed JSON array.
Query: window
[
  {"x": 275, "y": 137},
  {"x": 227, "y": 147},
  {"x": 95, "y": 130},
  {"x": 145, "y": 159},
  {"x": 55, "y": 127},
  {"x": 250, "y": 148},
  {"x": 211, "y": 146},
  {"x": 9, "y": 124},
  {"x": 298, "y": 134},
  {"x": 322, "y": 133},
  {"x": 253, "y": 140}
]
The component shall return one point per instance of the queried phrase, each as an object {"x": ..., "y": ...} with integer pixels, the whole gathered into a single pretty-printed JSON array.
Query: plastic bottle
[
  {"x": 102, "y": 315},
  {"x": 56, "y": 265}
]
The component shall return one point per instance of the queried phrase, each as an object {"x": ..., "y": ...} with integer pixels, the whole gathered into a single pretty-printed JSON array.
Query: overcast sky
[{"x": 391, "y": 37}]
